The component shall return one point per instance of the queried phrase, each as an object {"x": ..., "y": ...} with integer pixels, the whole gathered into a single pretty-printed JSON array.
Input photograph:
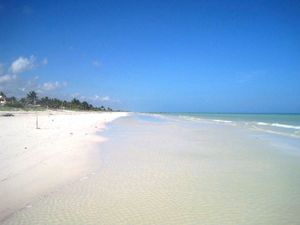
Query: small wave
[
  {"x": 286, "y": 126},
  {"x": 294, "y": 134},
  {"x": 208, "y": 120},
  {"x": 279, "y": 125},
  {"x": 263, "y": 124},
  {"x": 223, "y": 121},
  {"x": 191, "y": 118}
]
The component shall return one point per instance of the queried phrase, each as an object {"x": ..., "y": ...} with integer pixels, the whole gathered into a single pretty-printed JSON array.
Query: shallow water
[
  {"x": 175, "y": 171},
  {"x": 282, "y": 124}
]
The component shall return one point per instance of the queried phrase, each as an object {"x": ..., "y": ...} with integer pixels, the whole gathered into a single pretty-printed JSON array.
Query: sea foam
[{"x": 279, "y": 125}]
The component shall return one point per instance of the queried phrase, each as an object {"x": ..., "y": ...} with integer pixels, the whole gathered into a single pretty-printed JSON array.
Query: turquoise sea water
[
  {"x": 284, "y": 119},
  {"x": 284, "y": 124}
]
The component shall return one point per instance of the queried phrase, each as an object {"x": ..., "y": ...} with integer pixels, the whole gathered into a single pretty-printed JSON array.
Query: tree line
[{"x": 32, "y": 100}]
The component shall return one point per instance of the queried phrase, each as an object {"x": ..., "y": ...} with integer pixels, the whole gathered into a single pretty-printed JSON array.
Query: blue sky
[{"x": 207, "y": 56}]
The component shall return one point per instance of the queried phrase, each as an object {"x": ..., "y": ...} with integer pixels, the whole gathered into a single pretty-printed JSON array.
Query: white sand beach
[{"x": 33, "y": 162}]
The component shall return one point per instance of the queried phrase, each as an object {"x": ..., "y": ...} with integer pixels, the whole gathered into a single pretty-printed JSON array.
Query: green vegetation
[{"x": 33, "y": 102}]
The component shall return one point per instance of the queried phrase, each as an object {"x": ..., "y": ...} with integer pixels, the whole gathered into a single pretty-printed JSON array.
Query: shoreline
[{"x": 35, "y": 162}]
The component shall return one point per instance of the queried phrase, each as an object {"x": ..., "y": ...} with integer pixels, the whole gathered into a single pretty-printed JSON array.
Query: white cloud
[
  {"x": 93, "y": 99},
  {"x": 105, "y": 98},
  {"x": 14, "y": 84},
  {"x": 22, "y": 64},
  {"x": 96, "y": 100},
  {"x": 101, "y": 98},
  {"x": 50, "y": 86},
  {"x": 7, "y": 78},
  {"x": 96, "y": 63}
]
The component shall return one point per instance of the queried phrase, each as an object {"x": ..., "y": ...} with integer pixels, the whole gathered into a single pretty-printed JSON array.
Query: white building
[{"x": 2, "y": 100}]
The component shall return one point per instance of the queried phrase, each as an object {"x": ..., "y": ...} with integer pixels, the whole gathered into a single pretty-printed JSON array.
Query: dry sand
[{"x": 34, "y": 162}]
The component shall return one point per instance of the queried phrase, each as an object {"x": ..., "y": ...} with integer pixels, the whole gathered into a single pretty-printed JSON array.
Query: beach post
[{"x": 36, "y": 121}]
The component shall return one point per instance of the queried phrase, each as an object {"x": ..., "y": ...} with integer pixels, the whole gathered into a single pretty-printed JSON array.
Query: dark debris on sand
[{"x": 8, "y": 115}]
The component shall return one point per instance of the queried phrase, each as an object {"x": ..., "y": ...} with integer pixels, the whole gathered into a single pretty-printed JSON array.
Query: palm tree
[
  {"x": 32, "y": 97},
  {"x": 2, "y": 94},
  {"x": 11, "y": 100},
  {"x": 85, "y": 105}
]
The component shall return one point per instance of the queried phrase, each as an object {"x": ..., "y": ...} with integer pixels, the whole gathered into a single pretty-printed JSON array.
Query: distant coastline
[{"x": 33, "y": 102}]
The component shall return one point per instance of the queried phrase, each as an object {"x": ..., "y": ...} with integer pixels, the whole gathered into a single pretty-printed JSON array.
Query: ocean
[{"x": 284, "y": 124}]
